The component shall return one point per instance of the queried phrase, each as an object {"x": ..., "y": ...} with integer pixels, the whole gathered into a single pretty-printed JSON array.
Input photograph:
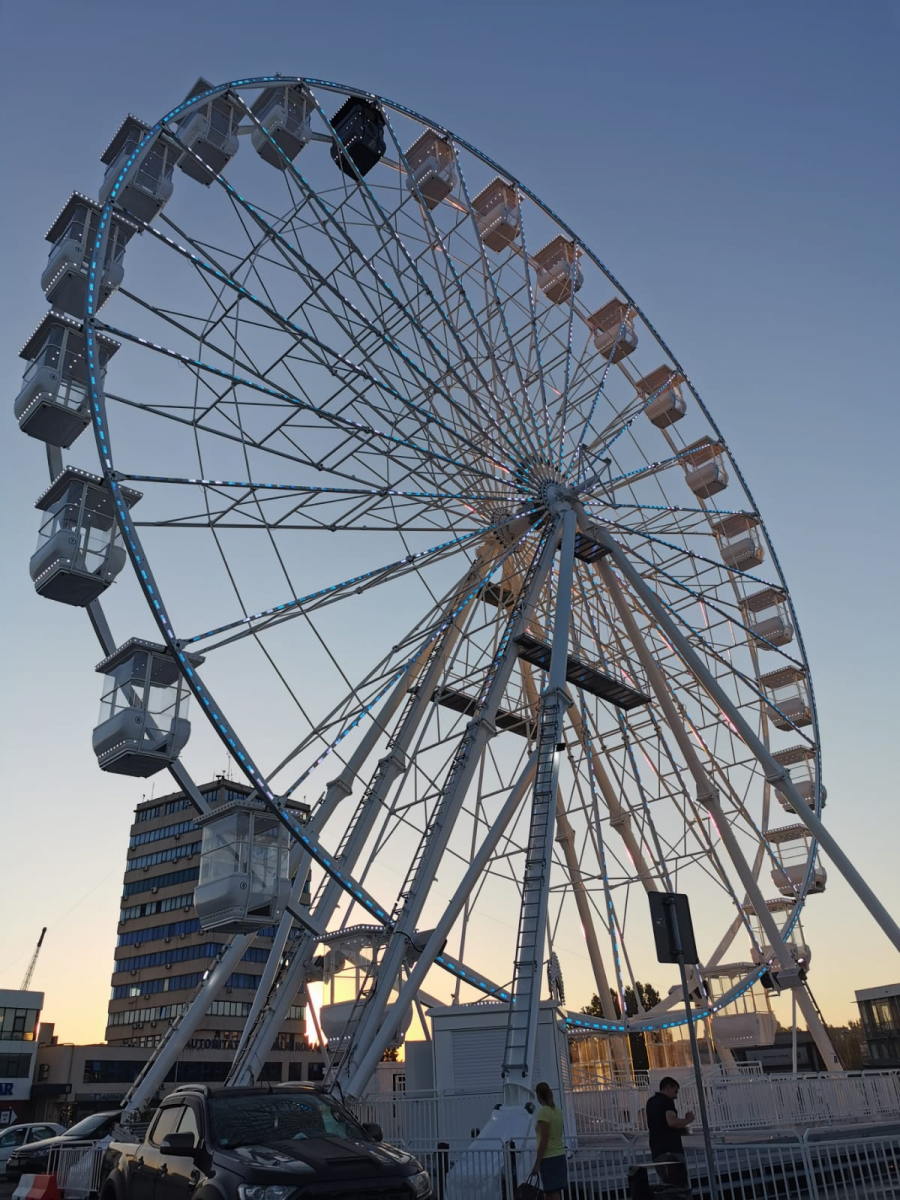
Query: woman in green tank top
[{"x": 550, "y": 1159}]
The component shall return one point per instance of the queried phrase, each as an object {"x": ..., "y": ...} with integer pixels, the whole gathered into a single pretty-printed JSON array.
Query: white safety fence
[
  {"x": 735, "y": 1103},
  {"x": 797, "y": 1169},
  {"x": 425, "y": 1119},
  {"x": 77, "y": 1169}
]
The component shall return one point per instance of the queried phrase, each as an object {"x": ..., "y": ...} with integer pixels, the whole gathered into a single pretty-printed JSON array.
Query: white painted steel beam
[{"x": 447, "y": 809}]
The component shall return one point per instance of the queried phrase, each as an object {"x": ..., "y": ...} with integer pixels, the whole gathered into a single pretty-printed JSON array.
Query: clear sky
[{"x": 736, "y": 166}]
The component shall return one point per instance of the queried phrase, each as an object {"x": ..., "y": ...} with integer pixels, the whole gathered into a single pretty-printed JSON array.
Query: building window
[
  {"x": 164, "y": 831},
  {"x": 295, "y": 1072},
  {"x": 882, "y": 1018},
  {"x": 136, "y": 937},
  {"x": 15, "y": 1066},
  {"x": 186, "y": 875},
  {"x": 161, "y": 856},
  {"x": 199, "y": 1072},
  {"x": 271, "y": 1072},
  {"x": 316, "y": 1072},
  {"x": 102, "y": 1070},
  {"x": 18, "y": 1024}
]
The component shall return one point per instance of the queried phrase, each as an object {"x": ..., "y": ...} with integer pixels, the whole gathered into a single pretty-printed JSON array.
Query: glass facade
[
  {"x": 18, "y": 1024},
  {"x": 880, "y": 1018},
  {"x": 161, "y": 856},
  {"x": 169, "y": 958},
  {"x": 156, "y": 835},
  {"x": 186, "y": 875}
]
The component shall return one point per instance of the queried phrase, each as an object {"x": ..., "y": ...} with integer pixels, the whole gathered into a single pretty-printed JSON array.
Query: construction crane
[{"x": 28, "y": 974}]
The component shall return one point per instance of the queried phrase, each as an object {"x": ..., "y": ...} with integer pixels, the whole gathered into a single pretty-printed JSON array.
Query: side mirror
[
  {"x": 374, "y": 1131},
  {"x": 179, "y": 1145}
]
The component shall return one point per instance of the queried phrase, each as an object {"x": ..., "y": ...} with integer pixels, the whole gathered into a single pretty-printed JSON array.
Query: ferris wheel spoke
[
  {"x": 494, "y": 303},
  {"x": 405, "y": 307},
  {"x": 319, "y": 352},
  {"x": 354, "y": 429},
  {"x": 756, "y": 695},
  {"x": 578, "y": 450},
  {"x": 481, "y": 332},
  {"x": 693, "y": 555},
  {"x": 730, "y": 617},
  {"x": 445, "y": 627},
  {"x": 305, "y": 488},
  {"x": 357, "y": 583},
  {"x": 607, "y": 438},
  {"x": 377, "y": 330},
  {"x": 332, "y": 510},
  {"x": 578, "y": 386},
  {"x": 535, "y": 339}
]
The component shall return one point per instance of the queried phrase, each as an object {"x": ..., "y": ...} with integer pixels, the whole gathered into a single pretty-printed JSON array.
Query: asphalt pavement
[{"x": 6, "y": 1189}]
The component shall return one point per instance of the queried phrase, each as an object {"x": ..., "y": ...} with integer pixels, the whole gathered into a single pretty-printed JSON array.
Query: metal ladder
[{"x": 533, "y": 912}]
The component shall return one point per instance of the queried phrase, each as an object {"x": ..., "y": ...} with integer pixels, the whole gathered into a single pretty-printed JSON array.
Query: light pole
[{"x": 673, "y": 930}]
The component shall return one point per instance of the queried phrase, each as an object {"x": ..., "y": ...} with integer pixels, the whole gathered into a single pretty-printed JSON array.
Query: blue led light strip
[
  {"x": 752, "y": 684},
  {"x": 601, "y": 385},
  {"x": 313, "y": 490},
  {"x": 344, "y": 423},
  {"x": 649, "y": 537},
  {"x": 353, "y": 582},
  {"x": 430, "y": 637},
  {"x": 699, "y": 596}
]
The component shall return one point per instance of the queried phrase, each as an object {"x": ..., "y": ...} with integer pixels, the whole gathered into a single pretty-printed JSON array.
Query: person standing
[
  {"x": 666, "y": 1129},
  {"x": 550, "y": 1160}
]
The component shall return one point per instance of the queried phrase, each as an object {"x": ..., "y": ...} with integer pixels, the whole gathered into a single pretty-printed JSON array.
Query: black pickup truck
[{"x": 288, "y": 1143}]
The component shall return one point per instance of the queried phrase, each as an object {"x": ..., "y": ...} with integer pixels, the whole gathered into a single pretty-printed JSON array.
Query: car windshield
[
  {"x": 93, "y": 1126},
  {"x": 270, "y": 1120}
]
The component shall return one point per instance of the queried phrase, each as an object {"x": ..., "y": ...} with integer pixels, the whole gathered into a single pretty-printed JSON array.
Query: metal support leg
[
  {"x": 566, "y": 838},
  {"x": 774, "y": 772},
  {"x": 447, "y": 808},
  {"x": 620, "y": 818},
  {"x": 255, "y": 1044},
  {"x": 437, "y": 938},
  {"x": 706, "y": 791},
  {"x": 167, "y": 1053},
  {"x": 522, "y": 1020}
]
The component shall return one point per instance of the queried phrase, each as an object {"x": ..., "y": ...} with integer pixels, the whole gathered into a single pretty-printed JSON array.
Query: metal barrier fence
[
  {"x": 77, "y": 1169},
  {"x": 863, "y": 1169},
  {"x": 735, "y": 1103},
  {"x": 425, "y": 1120},
  {"x": 852, "y": 1167}
]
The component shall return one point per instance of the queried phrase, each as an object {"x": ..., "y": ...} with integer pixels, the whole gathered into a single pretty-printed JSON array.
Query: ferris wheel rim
[{"x": 98, "y": 407}]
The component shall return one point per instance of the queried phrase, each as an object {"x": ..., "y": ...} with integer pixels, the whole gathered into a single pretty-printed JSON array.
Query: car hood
[
  {"x": 324, "y": 1154},
  {"x": 48, "y": 1143}
]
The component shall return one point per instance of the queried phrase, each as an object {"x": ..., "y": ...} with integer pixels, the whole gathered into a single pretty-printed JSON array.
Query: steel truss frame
[{"x": 426, "y": 657}]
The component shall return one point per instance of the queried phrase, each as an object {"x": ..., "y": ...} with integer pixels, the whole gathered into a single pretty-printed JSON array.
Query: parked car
[
  {"x": 293, "y": 1140},
  {"x": 15, "y": 1136},
  {"x": 32, "y": 1157}
]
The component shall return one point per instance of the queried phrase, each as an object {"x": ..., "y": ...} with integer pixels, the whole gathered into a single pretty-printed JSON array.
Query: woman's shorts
[{"x": 554, "y": 1173}]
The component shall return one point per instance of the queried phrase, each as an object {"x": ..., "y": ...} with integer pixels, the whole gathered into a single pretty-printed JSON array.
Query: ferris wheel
[{"x": 431, "y": 530}]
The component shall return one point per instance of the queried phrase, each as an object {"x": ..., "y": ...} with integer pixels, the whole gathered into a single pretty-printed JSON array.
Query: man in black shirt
[{"x": 666, "y": 1130}]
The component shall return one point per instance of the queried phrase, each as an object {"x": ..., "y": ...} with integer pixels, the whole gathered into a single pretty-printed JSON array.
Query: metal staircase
[{"x": 535, "y": 888}]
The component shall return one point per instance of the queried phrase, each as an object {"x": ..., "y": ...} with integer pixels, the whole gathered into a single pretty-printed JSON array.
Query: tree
[
  {"x": 849, "y": 1042},
  {"x": 649, "y": 998},
  {"x": 391, "y": 1054}
]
